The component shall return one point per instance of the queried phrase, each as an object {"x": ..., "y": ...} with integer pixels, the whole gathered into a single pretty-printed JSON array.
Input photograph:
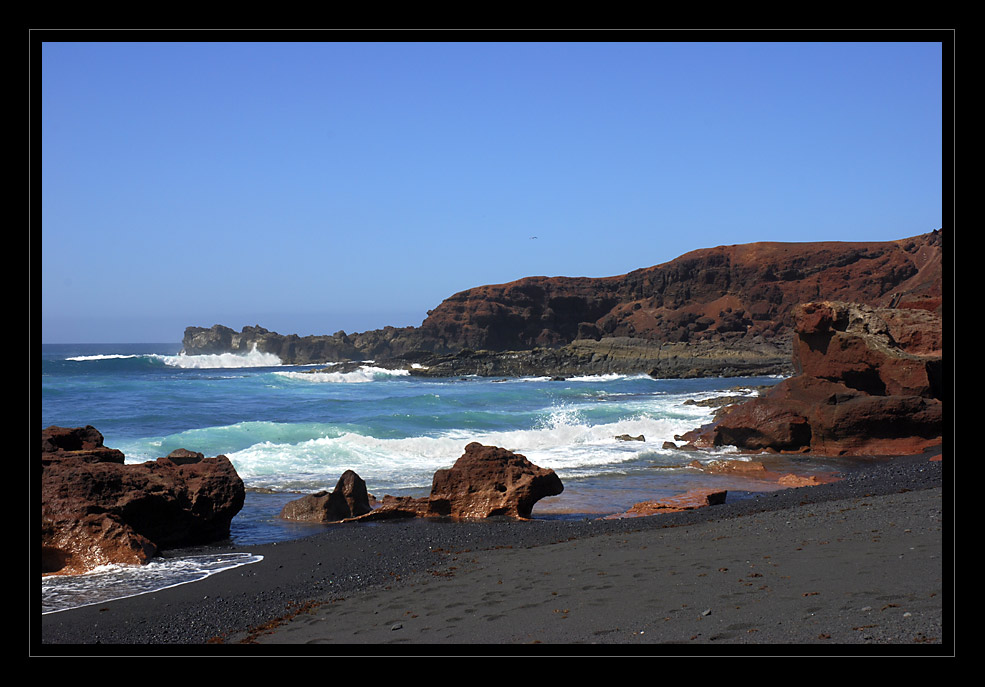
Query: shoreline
[{"x": 356, "y": 584}]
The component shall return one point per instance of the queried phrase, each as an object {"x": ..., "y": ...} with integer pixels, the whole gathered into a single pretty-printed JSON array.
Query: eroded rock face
[
  {"x": 96, "y": 510},
  {"x": 721, "y": 294},
  {"x": 486, "y": 481},
  {"x": 869, "y": 382},
  {"x": 725, "y": 296}
]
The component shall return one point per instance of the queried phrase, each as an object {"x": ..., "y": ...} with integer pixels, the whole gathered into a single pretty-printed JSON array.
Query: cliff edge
[{"x": 727, "y": 310}]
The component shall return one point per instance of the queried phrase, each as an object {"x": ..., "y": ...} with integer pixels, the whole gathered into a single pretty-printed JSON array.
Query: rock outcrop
[
  {"x": 612, "y": 355},
  {"x": 349, "y": 499},
  {"x": 715, "y": 294},
  {"x": 486, "y": 481},
  {"x": 96, "y": 510},
  {"x": 869, "y": 382},
  {"x": 730, "y": 299}
]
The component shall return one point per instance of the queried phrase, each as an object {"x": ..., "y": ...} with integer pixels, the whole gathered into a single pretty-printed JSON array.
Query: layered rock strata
[
  {"x": 732, "y": 300},
  {"x": 96, "y": 510},
  {"x": 869, "y": 381}
]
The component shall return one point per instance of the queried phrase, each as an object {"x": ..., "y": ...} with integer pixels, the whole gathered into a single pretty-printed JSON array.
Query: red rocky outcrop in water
[
  {"x": 869, "y": 382},
  {"x": 96, "y": 510},
  {"x": 485, "y": 481},
  {"x": 349, "y": 499}
]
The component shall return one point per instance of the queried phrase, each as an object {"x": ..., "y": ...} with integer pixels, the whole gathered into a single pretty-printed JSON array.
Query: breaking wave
[{"x": 222, "y": 360}]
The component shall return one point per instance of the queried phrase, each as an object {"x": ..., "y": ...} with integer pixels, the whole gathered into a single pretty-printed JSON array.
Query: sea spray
[
  {"x": 293, "y": 431},
  {"x": 223, "y": 360}
]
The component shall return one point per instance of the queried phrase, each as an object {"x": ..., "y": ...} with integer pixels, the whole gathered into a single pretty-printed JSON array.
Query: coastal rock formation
[
  {"x": 725, "y": 304},
  {"x": 869, "y": 382},
  {"x": 349, "y": 499},
  {"x": 612, "y": 355},
  {"x": 96, "y": 510},
  {"x": 302, "y": 350},
  {"x": 715, "y": 294},
  {"x": 486, "y": 481},
  {"x": 84, "y": 444}
]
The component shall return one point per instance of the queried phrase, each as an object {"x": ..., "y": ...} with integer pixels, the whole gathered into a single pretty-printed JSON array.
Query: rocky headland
[{"x": 724, "y": 311}]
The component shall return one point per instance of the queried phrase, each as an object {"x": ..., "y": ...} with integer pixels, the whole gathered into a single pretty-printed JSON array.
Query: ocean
[{"x": 290, "y": 431}]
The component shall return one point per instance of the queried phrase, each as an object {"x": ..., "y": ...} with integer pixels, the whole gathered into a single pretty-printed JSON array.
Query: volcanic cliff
[{"x": 723, "y": 310}]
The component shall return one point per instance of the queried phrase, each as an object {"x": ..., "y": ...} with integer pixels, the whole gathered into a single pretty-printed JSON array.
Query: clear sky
[{"x": 312, "y": 187}]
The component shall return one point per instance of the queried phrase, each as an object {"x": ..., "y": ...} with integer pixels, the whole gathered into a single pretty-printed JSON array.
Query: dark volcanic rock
[
  {"x": 349, "y": 499},
  {"x": 615, "y": 355},
  {"x": 97, "y": 510}
]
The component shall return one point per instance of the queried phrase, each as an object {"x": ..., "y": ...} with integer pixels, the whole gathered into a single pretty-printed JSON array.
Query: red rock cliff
[
  {"x": 869, "y": 382},
  {"x": 725, "y": 292}
]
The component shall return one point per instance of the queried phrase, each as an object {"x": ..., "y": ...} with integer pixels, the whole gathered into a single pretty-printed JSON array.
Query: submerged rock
[{"x": 695, "y": 498}]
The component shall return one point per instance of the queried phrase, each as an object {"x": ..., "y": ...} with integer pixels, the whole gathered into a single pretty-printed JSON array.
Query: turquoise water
[{"x": 289, "y": 431}]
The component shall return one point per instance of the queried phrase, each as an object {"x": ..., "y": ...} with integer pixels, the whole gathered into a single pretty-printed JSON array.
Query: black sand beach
[{"x": 856, "y": 566}]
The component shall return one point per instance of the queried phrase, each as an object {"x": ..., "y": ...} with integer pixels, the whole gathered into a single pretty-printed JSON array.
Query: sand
[{"x": 853, "y": 567}]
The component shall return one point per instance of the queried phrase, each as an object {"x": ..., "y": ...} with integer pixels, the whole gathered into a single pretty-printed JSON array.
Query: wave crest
[
  {"x": 254, "y": 358},
  {"x": 361, "y": 375}
]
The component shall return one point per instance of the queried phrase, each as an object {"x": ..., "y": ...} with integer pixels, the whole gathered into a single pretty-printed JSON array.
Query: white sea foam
[
  {"x": 107, "y": 356},
  {"x": 254, "y": 358},
  {"x": 563, "y": 439},
  {"x": 361, "y": 375},
  {"x": 110, "y": 582},
  {"x": 611, "y": 377}
]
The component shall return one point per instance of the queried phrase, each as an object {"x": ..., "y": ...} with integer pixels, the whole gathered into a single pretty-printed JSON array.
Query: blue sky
[{"x": 312, "y": 187}]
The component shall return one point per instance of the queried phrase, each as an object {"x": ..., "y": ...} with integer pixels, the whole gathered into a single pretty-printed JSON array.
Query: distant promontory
[{"x": 722, "y": 311}]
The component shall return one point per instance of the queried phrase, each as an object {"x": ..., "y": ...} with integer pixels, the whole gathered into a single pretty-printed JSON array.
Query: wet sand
[{"x": 857, "y": 566}]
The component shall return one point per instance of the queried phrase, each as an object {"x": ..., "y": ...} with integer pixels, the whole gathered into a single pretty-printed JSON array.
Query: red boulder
[
  {"x": 484, "y": 482},
  {"x": 96, "y": 510},
  {"x": 349, "y": 499}
]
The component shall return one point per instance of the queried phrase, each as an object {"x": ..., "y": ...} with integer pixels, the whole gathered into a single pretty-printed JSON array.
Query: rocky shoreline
[
  {"x": 589, "y": 357},
  {"x": 347, "y": 576},
  {"x": 862, "y": 381}
]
